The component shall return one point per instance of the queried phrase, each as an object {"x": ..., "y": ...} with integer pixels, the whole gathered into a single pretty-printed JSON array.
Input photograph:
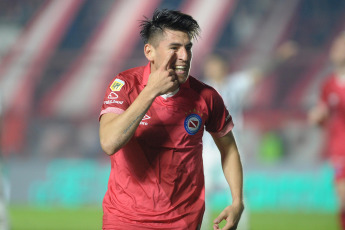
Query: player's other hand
[
  {"x": 231, "y": 215},
  {"x": 164, "y": 79}
]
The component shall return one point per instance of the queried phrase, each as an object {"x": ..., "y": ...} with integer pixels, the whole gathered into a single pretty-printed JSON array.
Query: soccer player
[
  {"x": 151, "y": 125},
  {"x": 330, "y": 111}
]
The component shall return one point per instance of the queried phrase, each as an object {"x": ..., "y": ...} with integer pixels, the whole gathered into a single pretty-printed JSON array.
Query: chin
[{"x": 182, "y": 78}]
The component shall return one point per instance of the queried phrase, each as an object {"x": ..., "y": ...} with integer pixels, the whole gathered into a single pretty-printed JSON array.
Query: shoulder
[
  {"x": 204, "y": 90},
  {"x": 133, "y": 74},
  {"x": 128, "y": 78},
  {"x": 200, "y": 87}
]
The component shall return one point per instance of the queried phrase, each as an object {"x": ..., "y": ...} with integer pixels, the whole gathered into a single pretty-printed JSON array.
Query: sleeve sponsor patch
[
  {"x": 113, "y": 95},
  {"x": 117, "y": 85}
]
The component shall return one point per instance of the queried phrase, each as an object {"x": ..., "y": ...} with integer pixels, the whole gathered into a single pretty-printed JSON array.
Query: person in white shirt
[{"x": 234, "y": 89}]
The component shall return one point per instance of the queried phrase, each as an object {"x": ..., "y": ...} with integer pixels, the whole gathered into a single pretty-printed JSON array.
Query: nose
[{"x": 182, "y": 54}]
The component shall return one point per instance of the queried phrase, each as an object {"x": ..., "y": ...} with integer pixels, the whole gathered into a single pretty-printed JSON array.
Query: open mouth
[{"x": 181, "y": 68}]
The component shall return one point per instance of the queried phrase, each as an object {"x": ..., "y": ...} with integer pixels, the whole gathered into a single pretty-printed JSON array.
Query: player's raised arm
[{"x": 117, "y": 129}]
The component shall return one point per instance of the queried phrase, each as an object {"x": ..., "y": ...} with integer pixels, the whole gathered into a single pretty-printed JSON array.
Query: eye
[{"x": 173, "y": 48}]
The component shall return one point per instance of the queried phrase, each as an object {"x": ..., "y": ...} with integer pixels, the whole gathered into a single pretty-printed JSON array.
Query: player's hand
[
  {"x": 164, "y": 79},
  {"x": 231, "y": 215}
]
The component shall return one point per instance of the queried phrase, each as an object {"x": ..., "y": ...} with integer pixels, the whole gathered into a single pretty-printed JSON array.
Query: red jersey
[
  {"x": 333, "y": 96},
  {"x": 156, "y": 179}
]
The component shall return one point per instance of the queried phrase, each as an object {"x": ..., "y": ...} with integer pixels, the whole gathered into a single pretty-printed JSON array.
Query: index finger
[{"x": 167, "y": 61}]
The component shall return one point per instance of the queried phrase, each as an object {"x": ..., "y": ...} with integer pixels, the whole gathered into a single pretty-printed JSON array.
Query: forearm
[
  {"x": 231, "y": 164},
  {"x": 117, "y": 131},
  {"x": 233, "y": 173},
  {"x": 232, "y": 168}
]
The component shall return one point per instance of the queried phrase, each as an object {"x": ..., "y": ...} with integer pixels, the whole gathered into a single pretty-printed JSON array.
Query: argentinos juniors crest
[{"x": 192, "y": 123}]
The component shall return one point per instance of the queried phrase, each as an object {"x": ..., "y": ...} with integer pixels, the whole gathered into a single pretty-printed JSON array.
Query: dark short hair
[{"x": 168, "y": 19}]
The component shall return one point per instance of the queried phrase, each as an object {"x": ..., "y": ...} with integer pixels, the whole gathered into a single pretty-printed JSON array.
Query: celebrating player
[
  {"x": 151, "y": 125},
  {"x": 331, "y": 111}
]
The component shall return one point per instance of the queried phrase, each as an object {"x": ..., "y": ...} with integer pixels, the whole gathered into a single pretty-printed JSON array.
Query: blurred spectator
[
  {"x": 245, "y": 19},
  {"x": 330, "y": 113},
  {"x": 234, "y": 88},
  {"x": 14, "y": 15}
]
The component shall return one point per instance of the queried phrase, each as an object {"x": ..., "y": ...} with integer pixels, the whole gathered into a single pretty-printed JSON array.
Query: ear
[{"x": 149, "y": 52}]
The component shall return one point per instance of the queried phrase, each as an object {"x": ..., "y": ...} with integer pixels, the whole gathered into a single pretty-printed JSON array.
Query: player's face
[
  {"x": 178, "y": 42},
  {"x": 337, "y": 53}
]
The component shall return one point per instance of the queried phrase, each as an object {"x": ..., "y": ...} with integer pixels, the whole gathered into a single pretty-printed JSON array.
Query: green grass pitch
[{"x": 84, "y": 218}]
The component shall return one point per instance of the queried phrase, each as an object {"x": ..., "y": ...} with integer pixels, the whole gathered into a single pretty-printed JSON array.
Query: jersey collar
[{"x": 147, "y": 71}]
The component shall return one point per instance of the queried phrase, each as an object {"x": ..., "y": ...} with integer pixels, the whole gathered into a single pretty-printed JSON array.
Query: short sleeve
[
  {"x": 219, "y": 120},
  {"x": 116, "y": 98}
]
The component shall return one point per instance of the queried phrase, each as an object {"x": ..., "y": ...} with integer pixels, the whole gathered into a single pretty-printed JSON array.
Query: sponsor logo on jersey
[
  {"x": 112, "y": 102},
  {"x": 146, "y": 117},
  {"x": 192, "y": 123},
  {"x": 117, "y": 85},
  {"x": 113, "y": 96},
  {"x": 143, "y": 122}
]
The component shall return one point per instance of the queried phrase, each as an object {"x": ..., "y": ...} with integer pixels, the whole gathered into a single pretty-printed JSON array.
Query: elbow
[
  {"x": 107, "y": 150},
  {"x": 108, "y": 147}
]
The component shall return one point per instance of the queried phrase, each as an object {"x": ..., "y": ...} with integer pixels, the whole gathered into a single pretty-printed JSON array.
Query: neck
[
  {"x": 174, "y": 90},
  {"x": 170, "y": 93}
]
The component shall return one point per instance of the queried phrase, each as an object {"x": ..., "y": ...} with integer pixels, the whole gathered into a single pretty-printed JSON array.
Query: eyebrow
[{"x": 179, "y": 44}]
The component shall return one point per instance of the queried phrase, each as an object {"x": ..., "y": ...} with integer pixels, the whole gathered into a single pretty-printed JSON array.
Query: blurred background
[{"x": 57, "y": 58}]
